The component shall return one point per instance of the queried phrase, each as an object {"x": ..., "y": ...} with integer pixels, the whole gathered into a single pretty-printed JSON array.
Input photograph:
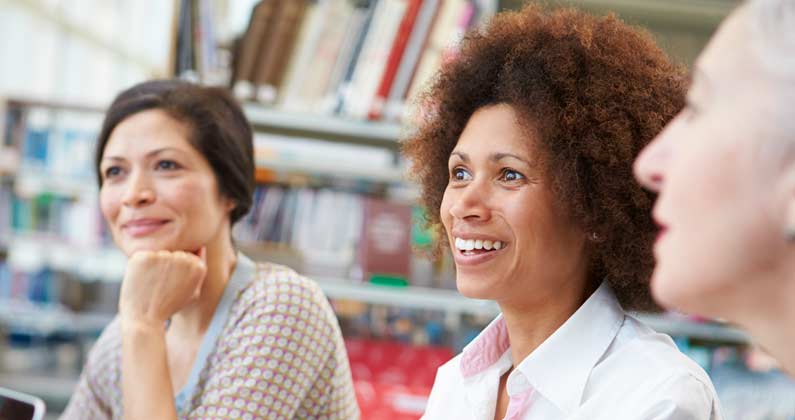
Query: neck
[
  {"x": 530, "y": 324},
  {"x": 768, "y": 314},
  {"x": 195, "y": 318}
]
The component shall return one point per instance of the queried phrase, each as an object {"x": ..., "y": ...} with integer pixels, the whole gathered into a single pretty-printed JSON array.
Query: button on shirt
[{"x": 600, "y": 364}]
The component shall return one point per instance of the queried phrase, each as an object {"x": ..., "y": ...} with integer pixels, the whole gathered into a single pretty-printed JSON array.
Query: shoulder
[
  {"x": 279, "y": 289},
  {"x": 645, "y": 370},
  {"x": 448, "y": 388},
  {"x": 280, "y": 302}
]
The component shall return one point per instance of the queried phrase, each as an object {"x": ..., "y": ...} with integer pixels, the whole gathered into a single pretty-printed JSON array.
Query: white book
[
  {"x": 353, "y": 31},
  {"x": 372, "y": 61},
  {"x": 441, "y": 37},
  {"x": 414, "y": 48},
  {"x": 298, "y": 69}
]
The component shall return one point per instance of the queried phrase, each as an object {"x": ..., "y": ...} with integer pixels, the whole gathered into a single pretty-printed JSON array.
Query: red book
[
  {"x": 386, "y": 239},
  {"x": 393, "y": 62}
]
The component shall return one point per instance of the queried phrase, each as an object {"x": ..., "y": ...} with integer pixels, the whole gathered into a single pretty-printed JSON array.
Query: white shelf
[
  {"x": 407, "y": 297},
  {"x": 378, "y": 133},
  {"x": 452, "y": 301},
  {"x": 390, "y": 175},
  {"x": 49, "y": 319},
  {"x": 30, "y": 253},
  {"x": 28, "y": 184}
]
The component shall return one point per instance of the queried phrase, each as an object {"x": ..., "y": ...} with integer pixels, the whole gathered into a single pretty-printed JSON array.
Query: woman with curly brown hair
[{"x": 525, "y": 162}]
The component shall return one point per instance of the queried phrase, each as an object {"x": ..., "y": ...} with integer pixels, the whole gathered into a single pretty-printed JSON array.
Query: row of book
[
  {"x": 54, "y": 144},
  {"x": 360, "y": 59},
  {"x": 47, "y": 286},
  {"x": 338, "y": 233},
  {"x": 195, "y": 42}
]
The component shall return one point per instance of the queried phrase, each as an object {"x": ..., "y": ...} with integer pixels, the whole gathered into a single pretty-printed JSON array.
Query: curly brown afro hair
[{"x": 595, "y": 91}]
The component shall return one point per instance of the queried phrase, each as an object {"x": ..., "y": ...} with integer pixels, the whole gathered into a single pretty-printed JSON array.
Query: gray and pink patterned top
[{"x": 273, "y": 350}]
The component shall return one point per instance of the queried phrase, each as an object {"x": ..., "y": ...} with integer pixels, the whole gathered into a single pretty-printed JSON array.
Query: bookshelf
[
  {"x": 324, "y": 127},
  {"x": 105, "y": 263}
]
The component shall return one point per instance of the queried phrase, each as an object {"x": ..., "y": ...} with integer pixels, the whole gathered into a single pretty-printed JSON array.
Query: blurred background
[{"x": 328, "y": 87}]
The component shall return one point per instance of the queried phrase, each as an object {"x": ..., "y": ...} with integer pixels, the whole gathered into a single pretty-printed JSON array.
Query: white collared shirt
[{"x": 600, "y": 364}]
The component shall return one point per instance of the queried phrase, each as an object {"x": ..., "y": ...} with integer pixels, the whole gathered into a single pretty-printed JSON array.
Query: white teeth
[{"x": 471, "y": 244}]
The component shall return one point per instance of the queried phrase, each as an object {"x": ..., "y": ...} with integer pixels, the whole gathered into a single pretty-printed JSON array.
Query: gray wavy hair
[{"x": 772, "y": 24}]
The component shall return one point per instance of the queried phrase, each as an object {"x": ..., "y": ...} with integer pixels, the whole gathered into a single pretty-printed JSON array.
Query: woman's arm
[
  {"x": 146, "y": 379},
  {"x": 156, "y": 285}
]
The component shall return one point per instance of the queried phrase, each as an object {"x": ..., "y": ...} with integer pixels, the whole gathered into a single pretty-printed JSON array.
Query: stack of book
[{"x": 360, "y": 59}]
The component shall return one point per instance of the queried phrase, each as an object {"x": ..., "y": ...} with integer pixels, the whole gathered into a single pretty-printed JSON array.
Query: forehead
[
  {"x": 729, "y": 56},
  {"x": 495, "y": 128},
  {"x": 147, "y": 130}
]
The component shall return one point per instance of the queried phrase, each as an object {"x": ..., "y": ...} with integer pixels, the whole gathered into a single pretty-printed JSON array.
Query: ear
[{"x": 230, "y": 205}]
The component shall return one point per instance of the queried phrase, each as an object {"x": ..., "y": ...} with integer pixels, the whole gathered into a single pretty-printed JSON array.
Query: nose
[
  {"x": 650, "y": 165},
  {"x": 139, "y": 191},
  {"x": 472, "y": 204}
]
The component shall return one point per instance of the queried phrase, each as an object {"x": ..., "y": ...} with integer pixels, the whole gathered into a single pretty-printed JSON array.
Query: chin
[
  {"x": 474, "y": 288},
  {"x": 131, "y": 247},
  {"x": 673, "y": 293}
]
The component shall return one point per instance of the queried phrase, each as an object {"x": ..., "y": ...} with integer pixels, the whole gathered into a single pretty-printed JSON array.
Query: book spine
[
  {"x": 396, "y": 55},
  {"x": 416, "y": 44}
]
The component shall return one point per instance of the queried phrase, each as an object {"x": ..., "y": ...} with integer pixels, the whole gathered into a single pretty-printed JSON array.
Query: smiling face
[
  {"x": 511, "y": 241},
  {"x": 158, "y": 192},
  {"x": 725, "y": 190}
]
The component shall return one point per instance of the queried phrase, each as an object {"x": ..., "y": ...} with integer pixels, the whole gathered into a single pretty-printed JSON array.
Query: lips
[
  {"x": 143, "y": 227},
  {"x": 471, "y": 249}
]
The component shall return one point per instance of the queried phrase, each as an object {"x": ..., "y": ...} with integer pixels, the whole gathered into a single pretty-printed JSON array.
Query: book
[
  {"x": 396, "y": 55},
  {"x": 385, "y": 248},
  {"x": 393, "y": 108},
  {"x": 322, "y": 61},
  {"x": 275, "y": 56},
  {"x": 372, "y": 59},
  {"x": 253, "y": 45},
  {"x": 442, "y": 37},
  {"x": 346, "y": 80},
  {"x": 298, "y": 67}
]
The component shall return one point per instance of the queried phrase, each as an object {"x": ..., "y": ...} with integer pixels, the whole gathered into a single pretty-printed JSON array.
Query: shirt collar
[{"x": 559, "y": 368}]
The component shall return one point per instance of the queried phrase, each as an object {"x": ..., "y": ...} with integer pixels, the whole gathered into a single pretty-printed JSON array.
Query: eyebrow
[
  {"x": 494, "y": 157},
  {"x": 150, "y": 154}
]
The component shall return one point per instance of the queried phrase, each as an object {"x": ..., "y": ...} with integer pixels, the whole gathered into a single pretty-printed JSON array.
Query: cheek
[
  {"x": 444, "y": 208},
  {"x": 198, "y": 200},
  {"x": 109, "y": 203}
]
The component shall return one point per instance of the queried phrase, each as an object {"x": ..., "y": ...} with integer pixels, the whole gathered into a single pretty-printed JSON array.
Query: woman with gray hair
[{"x": 724, "y": 169}]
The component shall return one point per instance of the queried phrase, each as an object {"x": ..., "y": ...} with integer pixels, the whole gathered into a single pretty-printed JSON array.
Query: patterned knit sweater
[{"x": 273, "y": 351}]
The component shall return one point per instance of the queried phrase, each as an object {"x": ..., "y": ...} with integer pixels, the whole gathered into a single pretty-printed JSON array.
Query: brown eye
[
  {"x": 461, "y": 174},
  {"x": 510, "y": 175}
]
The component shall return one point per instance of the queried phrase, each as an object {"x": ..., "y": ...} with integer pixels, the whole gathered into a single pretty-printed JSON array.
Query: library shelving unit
[{"x": 51, "y": 319}]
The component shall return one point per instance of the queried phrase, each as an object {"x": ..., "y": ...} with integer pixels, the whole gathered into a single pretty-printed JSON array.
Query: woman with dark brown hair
[
  {"x": 202, "y": 331},
  {"x": 525, "y": 162}
]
